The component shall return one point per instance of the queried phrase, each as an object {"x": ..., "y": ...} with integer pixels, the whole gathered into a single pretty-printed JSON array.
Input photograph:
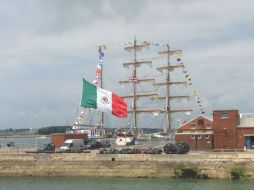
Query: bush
[
  {"x": 182, "y": 148},
  {"x": 179, "y": 148},
  {"x": 108, "y": 151},
  {"x": 237, "y": 173},
  {"x": 170, "y": 148}
]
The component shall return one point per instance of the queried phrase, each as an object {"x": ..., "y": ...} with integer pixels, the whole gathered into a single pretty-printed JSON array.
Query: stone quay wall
[{"x": 191, "y": 165}]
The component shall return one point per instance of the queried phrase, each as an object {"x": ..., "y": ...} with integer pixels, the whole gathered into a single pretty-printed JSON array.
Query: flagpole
[{"x": 101, "y": 86}]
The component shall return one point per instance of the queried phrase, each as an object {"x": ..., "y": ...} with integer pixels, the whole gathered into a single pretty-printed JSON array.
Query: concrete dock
[{"x": 196, "y": 164}]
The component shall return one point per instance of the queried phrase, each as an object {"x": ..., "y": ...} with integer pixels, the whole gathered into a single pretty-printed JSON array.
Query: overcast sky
[{"x": 47, "y": 46}]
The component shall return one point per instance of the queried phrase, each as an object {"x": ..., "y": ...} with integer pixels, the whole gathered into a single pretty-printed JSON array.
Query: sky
[{"x": 48, "y": 46}]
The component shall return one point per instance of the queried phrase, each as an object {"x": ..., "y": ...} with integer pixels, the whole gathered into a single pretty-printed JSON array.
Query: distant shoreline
[{"x": 24, "y": 136}]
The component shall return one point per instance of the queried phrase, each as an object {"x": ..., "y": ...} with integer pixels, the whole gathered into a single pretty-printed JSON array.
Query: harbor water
[
  {"x": 21, "y": 142},
  {"x": 81, "y": 183}
]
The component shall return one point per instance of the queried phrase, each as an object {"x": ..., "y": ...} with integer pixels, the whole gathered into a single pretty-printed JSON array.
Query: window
[
  {"x": 193, "y": 137},
  {"x": 209, "y": 126},
  {"x": 207, "y": 137},
  {"x": 193, "y": 126},
  {"x": 201, "y": 122},
  {"x": 199, "y": 136},
  {"x": 224, "y": 115}
]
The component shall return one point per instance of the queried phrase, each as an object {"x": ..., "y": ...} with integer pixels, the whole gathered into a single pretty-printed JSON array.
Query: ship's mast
[
  {"x": 168, "y": 95},
  {"x": 169, "y": 68},
  {"x": 135, "y": 80},
  {"x": 134, "y": 86}
]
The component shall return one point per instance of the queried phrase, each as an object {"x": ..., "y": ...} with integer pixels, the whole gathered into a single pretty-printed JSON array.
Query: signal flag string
[{"x": 189, "y": 83}]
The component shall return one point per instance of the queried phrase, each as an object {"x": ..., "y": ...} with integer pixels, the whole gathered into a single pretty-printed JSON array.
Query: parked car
[
  {"x": 48, "y": 148},
  {"x": 96, "y": 145},
  {"x": 72, "y": 145}
]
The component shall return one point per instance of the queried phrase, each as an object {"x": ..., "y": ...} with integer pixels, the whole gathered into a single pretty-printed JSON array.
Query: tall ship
[
  {"x": 157, "y": 88},
  {"x": 136, "y": 96}
]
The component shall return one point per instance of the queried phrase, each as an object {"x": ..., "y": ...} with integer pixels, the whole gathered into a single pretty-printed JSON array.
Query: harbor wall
[{"x": 197, "y": 165}]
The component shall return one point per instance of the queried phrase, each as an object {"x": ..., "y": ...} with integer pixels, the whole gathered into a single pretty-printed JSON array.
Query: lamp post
[
  {"x": 224, "y": 136},
  {"x": 36, "y": 128}
]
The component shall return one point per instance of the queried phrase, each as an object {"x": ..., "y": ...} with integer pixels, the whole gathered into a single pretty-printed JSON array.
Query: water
[
  {"x": 84, "y": 183},
  {"x": 28, "y": 142}
]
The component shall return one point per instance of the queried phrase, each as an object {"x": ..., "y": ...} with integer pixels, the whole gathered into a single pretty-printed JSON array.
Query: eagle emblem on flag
[{"x": 105, "y": 100}]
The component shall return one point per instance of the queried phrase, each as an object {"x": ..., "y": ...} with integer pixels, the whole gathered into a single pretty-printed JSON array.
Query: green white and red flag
[{"x": 103, "y": 100}]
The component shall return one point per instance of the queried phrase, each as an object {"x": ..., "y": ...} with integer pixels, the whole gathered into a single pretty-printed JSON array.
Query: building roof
[
  {"x": 227, "y": 110},
  {"x": 210, "y": 132},
  {"x": 201, "y": 115},
  {"x": 246, "y": 120}
]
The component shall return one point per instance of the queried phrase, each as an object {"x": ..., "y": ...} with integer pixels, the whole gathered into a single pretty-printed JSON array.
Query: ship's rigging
[
  {"x": 168, "y": 83},
  {"x": 135, "y": 79}
]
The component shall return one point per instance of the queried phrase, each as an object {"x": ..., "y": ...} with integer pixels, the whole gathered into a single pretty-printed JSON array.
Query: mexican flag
[{"x": 103, "y": 100}]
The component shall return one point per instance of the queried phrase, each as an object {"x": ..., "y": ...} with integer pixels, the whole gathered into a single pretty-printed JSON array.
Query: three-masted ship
[
  {"x": 131, "y": 131},
  {"x": 135, "y": 96}
]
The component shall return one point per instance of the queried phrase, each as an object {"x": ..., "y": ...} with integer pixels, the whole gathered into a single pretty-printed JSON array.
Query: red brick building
[
  {"x": 229, "y": 131},
  {"x": 198, "y": 133},
  {"x": 59, "y": 138},
  {"x": 225, "y": 129}
]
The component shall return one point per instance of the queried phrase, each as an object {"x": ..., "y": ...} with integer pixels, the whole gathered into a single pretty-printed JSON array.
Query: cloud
[{"x": 48, "y": 46}]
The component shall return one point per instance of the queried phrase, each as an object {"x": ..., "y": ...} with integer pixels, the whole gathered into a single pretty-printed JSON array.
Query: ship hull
[{"x": 122, "y": 140}]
